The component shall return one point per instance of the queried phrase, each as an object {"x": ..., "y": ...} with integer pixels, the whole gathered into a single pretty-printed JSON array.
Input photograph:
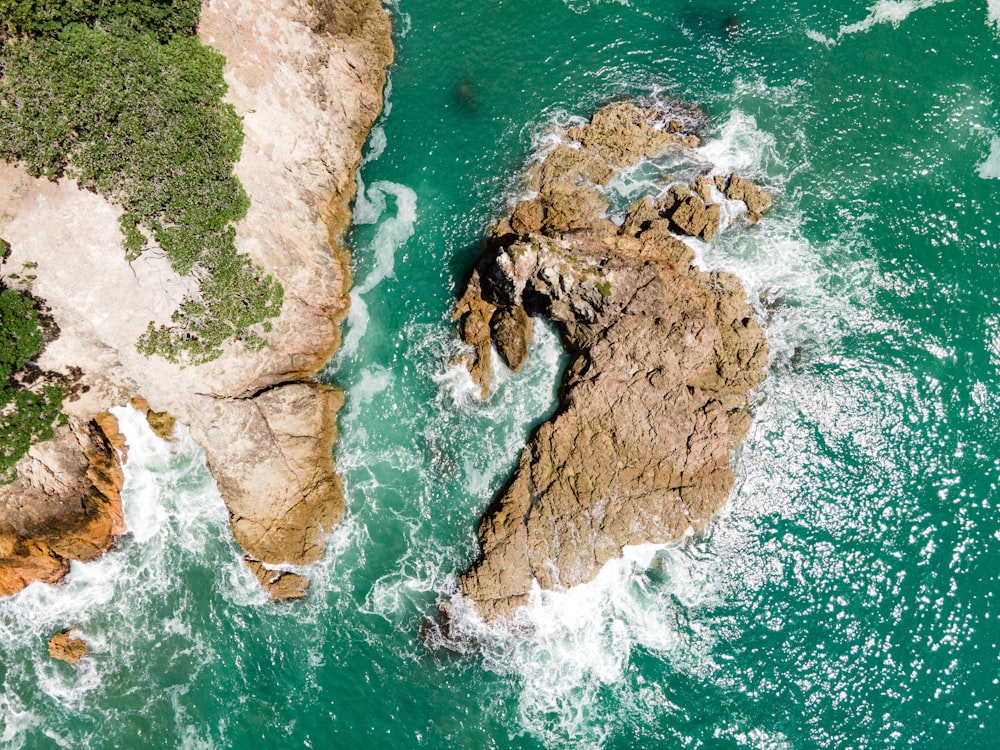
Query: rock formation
[
  {"x": 65, "y": 505},
  {"x": 663, "y": 358},
  {"x": 307, "y": 79},
  {"x": 68, "y": 647}
]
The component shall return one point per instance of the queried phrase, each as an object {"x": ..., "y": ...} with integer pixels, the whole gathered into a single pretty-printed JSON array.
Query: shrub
[
  {"x": 131, "y": 106},
  {"x": 47, "y": 17},
  {"x": 27, "y": 415}
]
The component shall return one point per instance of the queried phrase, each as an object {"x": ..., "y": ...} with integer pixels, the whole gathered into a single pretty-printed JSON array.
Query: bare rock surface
[
  {"x": 281, "y": 585},
  {"x": 307, "y": 79},
  {"x": 65, "y": 504},
  {"x": 67, "y": 646},
  {"x": 664, "y": 358}
]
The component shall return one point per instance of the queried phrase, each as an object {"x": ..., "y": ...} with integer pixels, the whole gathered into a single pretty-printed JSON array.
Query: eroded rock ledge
[
  {"x": 663, "y": 358},
  {"x": 307, "y": 79},
  {"x": 65, "y": 505}
]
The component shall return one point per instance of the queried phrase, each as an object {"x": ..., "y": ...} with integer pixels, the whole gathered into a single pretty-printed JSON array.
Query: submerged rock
[
  {"x": 664, "y": 358},
  {"x": 68, "y": 647}
]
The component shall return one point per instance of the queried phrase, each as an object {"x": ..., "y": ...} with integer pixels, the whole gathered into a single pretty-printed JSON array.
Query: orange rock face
[
  {"x": 65, "y": 505},
  {"x": 68, "y": 647}
]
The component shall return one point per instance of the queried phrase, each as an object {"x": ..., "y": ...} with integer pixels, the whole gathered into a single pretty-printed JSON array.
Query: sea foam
[
  {"x": 177, "y": 525},
  {"x": 392, "y": 233},
  {"x": 570, "y": 652},
  {"x": 884, "y": 11},
  {"x": 990, "y": 168}
]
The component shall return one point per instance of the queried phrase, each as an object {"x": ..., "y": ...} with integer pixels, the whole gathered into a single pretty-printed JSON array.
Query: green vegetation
[
  {"x": 165, "y": 18},
  {"x": 27, "y": 415},
  {"x": 123, "y": 98}
]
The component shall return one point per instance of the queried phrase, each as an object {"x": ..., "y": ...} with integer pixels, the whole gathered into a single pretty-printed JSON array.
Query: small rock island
[{"x": 664, "y": 357}]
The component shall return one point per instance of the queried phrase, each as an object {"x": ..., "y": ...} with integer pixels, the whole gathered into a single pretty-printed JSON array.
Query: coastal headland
[{"x": 306, "y": 79}]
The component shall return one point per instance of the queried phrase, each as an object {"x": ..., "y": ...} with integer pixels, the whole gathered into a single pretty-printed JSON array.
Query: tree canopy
[{"x": 27, "y": 414}]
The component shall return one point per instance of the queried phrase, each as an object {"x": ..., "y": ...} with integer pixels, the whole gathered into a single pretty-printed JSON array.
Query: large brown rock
[
  {"x": 690, "y": 214},
  {"x": 511, "y": 328},
  {"x": 281, "y": 585},
  {"x": 68, "y": 647},
  {"x": 737, "y": 188},
  {"x": 664, "y": 358},
  {"x": 65, "y": 504},
  {"x": 288, "y": 431}
]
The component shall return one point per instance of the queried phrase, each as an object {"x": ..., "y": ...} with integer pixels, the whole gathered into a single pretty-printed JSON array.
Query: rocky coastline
[
  {"x": 306, "y": 78},
  {"x": 664, "y": 357}
]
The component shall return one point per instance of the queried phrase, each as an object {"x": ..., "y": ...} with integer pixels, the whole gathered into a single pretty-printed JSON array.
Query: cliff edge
[
  {"x": 663, "y": 356},
  {"x": 306, "y": 78}
]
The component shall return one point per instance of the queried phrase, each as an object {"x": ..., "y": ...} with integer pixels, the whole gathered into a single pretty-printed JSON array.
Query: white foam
[
  {"x": 175, "y": 520},
  {"x": 993, "y": 13},
  {"x": 993, "y": 339},
  {"x": 817, "y": 36},
  {"x": 741, "y": 146},
  {"x": 370, "y": 207},
  {"x": 15, "y": 721},
  {"x": 461, "y": 440},
  {"x": 358, "y": 319},
  {"x": 883, "y": 11},
  {"x": 374, "y": 380},
  {"x": 789, "y": 281},
  {"x": 582, "y": 6},
  {"x": 990, "y": 168},
  {"x": 571, "y": 659},
  {"x": 457, "y": 382},
  {"x": 569, "y": 647},
  {"x": 391, "y": 233}
]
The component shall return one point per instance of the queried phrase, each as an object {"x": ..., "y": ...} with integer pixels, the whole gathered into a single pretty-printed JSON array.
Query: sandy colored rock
[
  {"x": 690, "y": 214},
  {"x": 288, "y": 430},
  {"x": 68, "y": 647},
  {"x": 758, "y": 201},
  {"x": 623, "y": 133},
  {"x": 527, "y": 217},
  {"x": 473, "y": 315},
  {"x": 306, "y": 79},
  {"x": 664, "y": 358},
  {"x": 282, "y": 585}
]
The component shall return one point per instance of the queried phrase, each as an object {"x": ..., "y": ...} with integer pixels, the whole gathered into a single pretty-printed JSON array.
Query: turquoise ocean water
[{"x": 846, "y": 596}]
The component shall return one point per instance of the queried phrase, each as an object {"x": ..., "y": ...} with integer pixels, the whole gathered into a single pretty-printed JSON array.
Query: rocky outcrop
[
  {"x": 663, "y": 359},
  {"x": 307, "y": 79},
  {"x": 162, "y": 423},
  {"x": 68, "y": 647},
  {"x": 65, "y": 504},
  {"x": 281, "y": 585}
]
